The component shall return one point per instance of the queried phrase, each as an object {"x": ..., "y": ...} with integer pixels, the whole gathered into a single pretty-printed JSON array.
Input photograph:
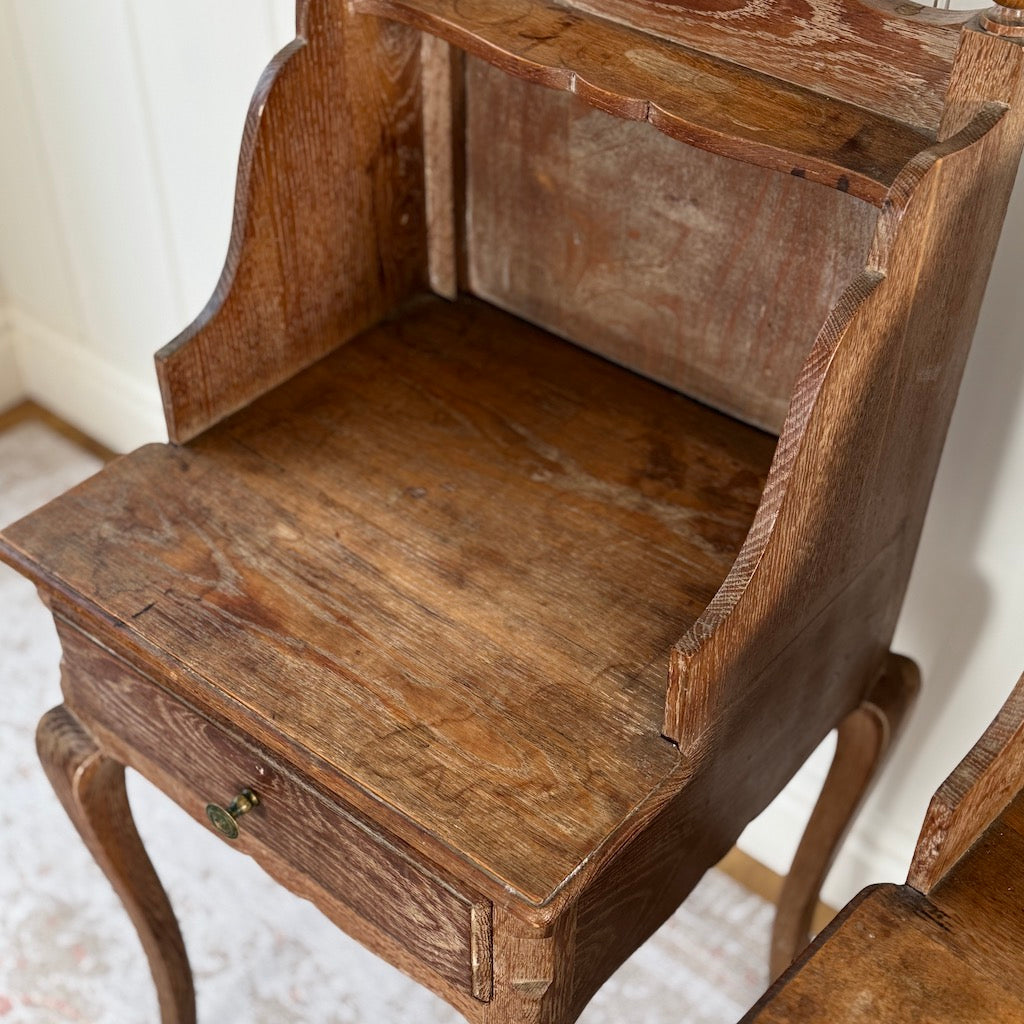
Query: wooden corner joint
[{"x": 535, "y": 965}]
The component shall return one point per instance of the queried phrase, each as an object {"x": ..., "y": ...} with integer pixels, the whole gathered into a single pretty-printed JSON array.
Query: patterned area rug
[{"x": 260, "y": 955}]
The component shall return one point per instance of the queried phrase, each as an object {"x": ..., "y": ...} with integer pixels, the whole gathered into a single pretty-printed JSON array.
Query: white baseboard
[
  {"x": 12, "y": 387},
  {"x": 78, "y": 385}
]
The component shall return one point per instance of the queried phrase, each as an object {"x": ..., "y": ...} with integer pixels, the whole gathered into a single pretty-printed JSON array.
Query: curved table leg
[
  {"x": 91, "y": 788},
  {"x": 864, "y": 738}
]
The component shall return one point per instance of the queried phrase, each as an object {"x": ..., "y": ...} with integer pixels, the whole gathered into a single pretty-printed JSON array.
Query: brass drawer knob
[{"x": 225, "y": 820}]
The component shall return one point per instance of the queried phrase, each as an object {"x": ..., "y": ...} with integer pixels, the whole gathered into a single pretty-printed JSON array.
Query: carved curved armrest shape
[
  {"x": 329, "y": 230},
  {"x": 977, "y": 790},
  {"x": 799, "y": 629}
]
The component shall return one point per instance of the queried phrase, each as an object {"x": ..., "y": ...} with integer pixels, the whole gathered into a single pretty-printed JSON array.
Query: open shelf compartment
[
  {"x": 707, "y": 101},
  {"x": 456, "y": 520}
]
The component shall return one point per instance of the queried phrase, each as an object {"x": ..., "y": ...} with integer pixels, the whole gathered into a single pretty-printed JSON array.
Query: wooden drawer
[{"x": 327, "y": 848}]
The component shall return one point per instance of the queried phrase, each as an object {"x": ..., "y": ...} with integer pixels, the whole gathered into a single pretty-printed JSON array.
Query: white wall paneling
[
  {"x": 196, "y": 87},
  {"x": 120, "y": 122},
  {"x": 11, "y": 385},
  {"x": 85, "y": 388},
  {"x": 34, "y": 260}
]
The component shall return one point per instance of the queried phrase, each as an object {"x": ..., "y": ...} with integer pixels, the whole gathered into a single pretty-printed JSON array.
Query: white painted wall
[{"x": 120, "y": 124}]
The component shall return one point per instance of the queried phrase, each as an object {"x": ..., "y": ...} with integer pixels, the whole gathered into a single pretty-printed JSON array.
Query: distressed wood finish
[
  {"x": 329, "y": 228},
  {"x": 712, "y": 104},
  {"x": 341, "y": 854},
  {"x": 386, "y": 558},
  {"x": 865, "y": 430},
  {"x": 442, "y": 94},
  {"x": 887, "y": 55},
  {"x": 952, "y": 952},
  {"x": 973, "y": 795},
  {"x": 432, "y": 585},
  {"x": 672, "y": 283},
  {"x": 90, "y": 786},
  {"x": 887, "y": 959}
]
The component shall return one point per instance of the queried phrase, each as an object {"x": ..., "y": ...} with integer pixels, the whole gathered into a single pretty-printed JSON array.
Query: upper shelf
[
  {"x": 892, "y": 56},
  {"x": 707, "y": 101}
]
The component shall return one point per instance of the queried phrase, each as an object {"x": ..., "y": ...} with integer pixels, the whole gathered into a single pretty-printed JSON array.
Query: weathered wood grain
[
  {"x": 898, "y": 955},
  {"x": 887, "y": 959},
  {"x": 708, "y": 103},
  {"x": 978, "y": 789},
  {"x": 450, "y": 560},
  {"x": 1003, "y": 20},
  {"x": 979, "y": 901},
  {"x": 442, "y": 86},
  {"x": 90, "y": 785},
  {"x": 713, "y": 278},
  {"x": 988, "y": 70},
  {"x": 889, "y": 56},
  {"x": 430, "y": 585},
  {"x": 339, "y": 853},
  {"x": 329, "y": 229},
  {"x": 865, "y": 430}
]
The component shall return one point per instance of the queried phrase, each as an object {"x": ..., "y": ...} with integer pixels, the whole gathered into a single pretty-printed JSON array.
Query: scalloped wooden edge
[
  {"x": 329, "y": 231},
  {"x": 246, "y": 159},
  {"x": 815, "y": 372},
  {"x": 988, "y": 777},
  {"x": 864, "y": 175},
  {"x": 702, "y": 648}
]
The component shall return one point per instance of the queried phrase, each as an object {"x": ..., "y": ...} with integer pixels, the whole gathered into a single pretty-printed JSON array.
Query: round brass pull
[{"x": 225, "y": 820}]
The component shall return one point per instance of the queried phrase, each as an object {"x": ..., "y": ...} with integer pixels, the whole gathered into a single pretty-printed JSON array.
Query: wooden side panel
[
  {"x": 886, "y": 55},
  {"x": 329, "y": 229},
  {"x": 442, "y": 83},
  {"x": 896, "y": 955},
  {"x": 709, "y": 275},
  {"x": 799, "y": 629},
  {"x": 984, "y": 782},
  {"x": 979, "y": 900}
]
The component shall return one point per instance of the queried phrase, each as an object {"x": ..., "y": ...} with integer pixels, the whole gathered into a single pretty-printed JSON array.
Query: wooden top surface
[
  {"x": 449, "y": 560},
  {"x": 715, "y": 104},
  {"x": 890, "y": 56},
  {"x": 895, "y": 956}
]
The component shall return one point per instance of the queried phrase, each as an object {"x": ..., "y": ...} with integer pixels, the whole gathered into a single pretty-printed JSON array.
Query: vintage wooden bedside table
[
  {"x": 488, "y": 644},
  {"x": 945, "y": 947}
]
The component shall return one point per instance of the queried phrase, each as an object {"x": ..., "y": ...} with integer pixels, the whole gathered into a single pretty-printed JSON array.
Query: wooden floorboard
[{"x": 28, "y": 411}]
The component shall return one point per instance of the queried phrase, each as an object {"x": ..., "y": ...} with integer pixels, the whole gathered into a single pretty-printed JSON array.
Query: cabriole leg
[
  {"x": 864, "y": 738},
  {"x": 91, "y": 788}
]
